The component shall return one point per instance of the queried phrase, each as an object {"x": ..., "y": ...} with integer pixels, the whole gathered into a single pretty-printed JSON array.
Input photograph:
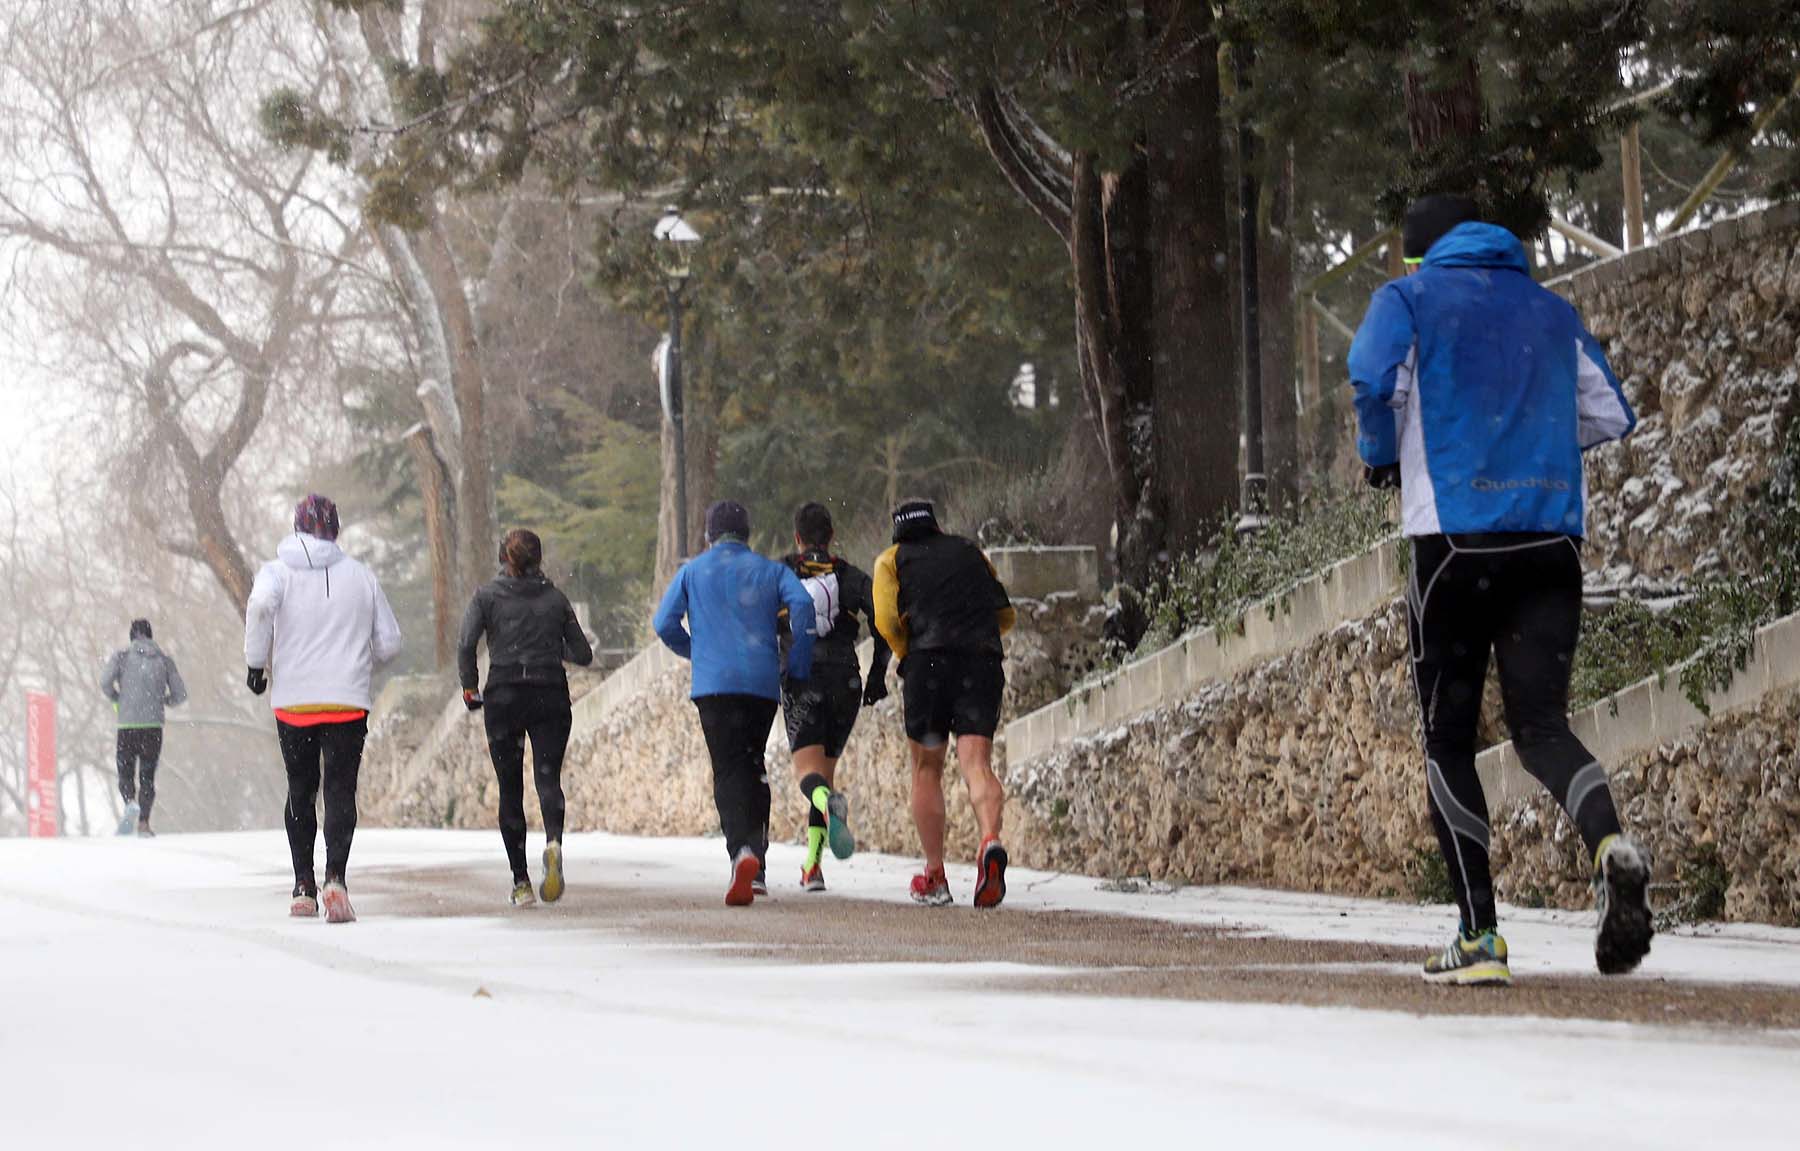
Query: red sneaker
[
  {"x": 813, "y": 879},
  {"x": 931, "y": 888},
  {"x": 305, "y": 904},
  {"x": 744, "y": 869},
  {"x": 990, "y": 882},
  {"x": 337, "y": 902}
]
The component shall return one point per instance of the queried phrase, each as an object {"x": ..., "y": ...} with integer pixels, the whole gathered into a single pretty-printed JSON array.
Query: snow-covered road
[{"x": 153, "y": 994}]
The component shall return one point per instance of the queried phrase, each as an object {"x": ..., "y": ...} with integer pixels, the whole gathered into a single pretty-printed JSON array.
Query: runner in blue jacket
[
  {"x": 1477, "y": 391},
  {"x": 732, "y": 600}
]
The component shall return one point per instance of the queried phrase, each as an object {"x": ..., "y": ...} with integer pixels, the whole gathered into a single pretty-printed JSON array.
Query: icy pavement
[{"x": 153, "y": 994}]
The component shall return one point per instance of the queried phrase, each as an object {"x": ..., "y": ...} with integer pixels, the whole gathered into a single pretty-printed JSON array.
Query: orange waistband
[{"x": 316, "y": 718}]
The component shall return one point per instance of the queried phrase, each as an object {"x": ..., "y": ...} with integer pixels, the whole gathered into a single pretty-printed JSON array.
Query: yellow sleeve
[
  {"x": 887, "y": 602},
  {"x": 1008, "y": 615}
]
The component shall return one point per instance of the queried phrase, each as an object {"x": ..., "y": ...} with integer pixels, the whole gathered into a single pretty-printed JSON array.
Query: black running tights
[
  {"x": 139, "y": 749},
  {"x": 331, "y": 753},
  {"x": 1518, "y": 595},
  {"x": 513, "y": 713},
  {"x": 737, "y": 733}
]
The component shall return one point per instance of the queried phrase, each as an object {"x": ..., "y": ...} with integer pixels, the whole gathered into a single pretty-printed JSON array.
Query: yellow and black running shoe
[{"x": 1471, "y": 962}]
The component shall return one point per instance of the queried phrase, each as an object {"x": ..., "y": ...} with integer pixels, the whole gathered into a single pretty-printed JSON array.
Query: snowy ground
[{"x": 153, "y": 994}]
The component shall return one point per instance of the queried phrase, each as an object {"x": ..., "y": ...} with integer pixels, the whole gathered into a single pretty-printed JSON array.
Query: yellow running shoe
[
  {"x": 1470, "y": 962},
  {"x": 552, "y": 887}
]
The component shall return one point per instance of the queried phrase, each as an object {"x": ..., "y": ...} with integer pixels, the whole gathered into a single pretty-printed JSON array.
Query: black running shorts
[
  {"x": 951, "y": 693},
  {"x": 821, "y": 711}
]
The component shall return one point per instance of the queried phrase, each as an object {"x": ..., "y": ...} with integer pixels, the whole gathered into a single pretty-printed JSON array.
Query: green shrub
[{"x": 1216, "y": 585}]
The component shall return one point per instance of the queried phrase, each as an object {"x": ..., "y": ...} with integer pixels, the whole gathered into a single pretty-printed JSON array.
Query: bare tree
[{"x": 194, "y": 275}]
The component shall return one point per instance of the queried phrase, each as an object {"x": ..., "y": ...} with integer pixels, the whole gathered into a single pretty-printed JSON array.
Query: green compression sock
[
  {"x": 821, "y": 799},
  {"x": 815, "y": 845}
]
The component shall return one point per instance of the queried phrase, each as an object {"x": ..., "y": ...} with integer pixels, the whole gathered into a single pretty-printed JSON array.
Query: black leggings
[
  {"x": 336, "y": 748},
  {"x": 1520, "y": 596},
  {"x": 512, "y": 713},
  {"x": 737, "y": 733},
  {"x": 138, "y": 751}
]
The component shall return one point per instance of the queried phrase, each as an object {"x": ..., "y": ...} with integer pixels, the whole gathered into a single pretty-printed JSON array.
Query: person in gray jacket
[
  {"x": 531, "y": 630},
  {"x": 141, "y": 681}
]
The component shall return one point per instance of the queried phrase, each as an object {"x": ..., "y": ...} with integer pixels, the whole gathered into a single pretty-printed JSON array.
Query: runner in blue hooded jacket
[
  {"x": 732, "y": 600},
  {"x": 1477, "y": 391}
]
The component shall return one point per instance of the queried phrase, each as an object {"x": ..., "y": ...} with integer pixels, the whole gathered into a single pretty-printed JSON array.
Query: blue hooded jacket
[
  {"x": 1486, "y": 388},
  {"x": 732, "y": 598}
]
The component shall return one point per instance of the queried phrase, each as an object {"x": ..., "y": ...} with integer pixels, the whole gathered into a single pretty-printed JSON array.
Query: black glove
[
  {"x": 1383, "y": 477},
  {"x": 257, "y": 681},
  {"x": 875, "y": 690},
  {"x": 472, "y": 699}
]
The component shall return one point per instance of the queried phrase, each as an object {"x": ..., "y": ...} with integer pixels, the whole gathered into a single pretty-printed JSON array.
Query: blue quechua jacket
[
  {"x": 732, "y": 599},
  {"x": 1486, "y": 388}
]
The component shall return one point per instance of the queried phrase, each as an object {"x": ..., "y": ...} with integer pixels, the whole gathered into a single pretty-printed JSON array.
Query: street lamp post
[{"x": 675, "y": 240}]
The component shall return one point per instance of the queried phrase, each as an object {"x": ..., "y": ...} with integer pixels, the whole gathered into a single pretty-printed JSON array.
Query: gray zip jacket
[{"x": 141, "y": 681}]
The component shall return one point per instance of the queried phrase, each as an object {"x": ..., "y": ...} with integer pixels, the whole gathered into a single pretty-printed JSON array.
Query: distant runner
[
  {"x": 317, "y": 626},
  {"x": 821, "y": 711},
  {"x": 531, "y": 629},
  {"x": 1476, "y": 393},
  {"x": 141, "y": 681},
  {"x": 732, "y": 600},
  {"x": 943, "y": 611}
]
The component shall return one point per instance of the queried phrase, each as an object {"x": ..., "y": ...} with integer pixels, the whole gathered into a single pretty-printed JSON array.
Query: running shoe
[
  {"x": 744, "y": 869},
  {"x": 760, "y": 885},
  {"x": 931, "y": 888},
  {"x": 305, "y": 904},
  {"x": 144, "y": 831},
  {"x": 1470, "y": 962},
  {"x": 521, "y": 894},
  {"x": 812, "y": 879},
  {"x": 337, "y": 902},
  {"x": 552, "y": 888},
  {"x": 837, "y": 826},
  {"x": 1622, "y": 894},
  {"x": 990, "y": 879},
  {"x": 129, "y": 820}
]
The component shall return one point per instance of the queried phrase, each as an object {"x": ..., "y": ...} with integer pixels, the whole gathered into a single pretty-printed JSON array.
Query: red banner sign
[{"x": 40, "y": 761}]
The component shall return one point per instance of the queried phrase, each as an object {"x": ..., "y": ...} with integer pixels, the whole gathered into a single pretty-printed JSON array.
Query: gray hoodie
[{"x": 141, "y": 680}]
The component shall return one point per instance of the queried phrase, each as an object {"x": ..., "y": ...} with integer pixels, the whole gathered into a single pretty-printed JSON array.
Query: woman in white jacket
[{"x": 317, "y": 626}]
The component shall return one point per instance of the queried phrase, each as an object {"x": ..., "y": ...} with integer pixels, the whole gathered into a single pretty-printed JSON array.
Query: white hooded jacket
[{"x": 319, "y": 623}]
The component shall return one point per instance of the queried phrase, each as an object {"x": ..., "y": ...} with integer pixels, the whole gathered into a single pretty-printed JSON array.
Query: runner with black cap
[
  {"x": 943, "y": 610},
  {"x": 1477, "y": 391},
  {"x": 732, "y": 600}
]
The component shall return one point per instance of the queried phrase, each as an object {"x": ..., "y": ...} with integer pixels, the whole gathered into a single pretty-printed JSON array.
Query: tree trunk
[
  {"x": 440, "y": 537},
  {"x": 1275, "y": 285},
  {"x": 1194, "y": 420},
  {"x": 1445, "y": 108},
  {"x": 468, "y": 383}
]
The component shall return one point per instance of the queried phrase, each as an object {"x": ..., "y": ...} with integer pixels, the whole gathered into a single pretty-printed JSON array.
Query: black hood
[{"x": 525, "y": 586}]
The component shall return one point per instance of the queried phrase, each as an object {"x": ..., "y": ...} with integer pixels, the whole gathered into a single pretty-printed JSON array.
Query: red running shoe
[
  {"x": 337, "y": 902},
  {"x": 813, "y": 880},
  {"x": 990, "y": 883},
  {"x": 744, "y": 869},
  {"x": 931, "y": 888},
  {"x": 305, "y": 904}
]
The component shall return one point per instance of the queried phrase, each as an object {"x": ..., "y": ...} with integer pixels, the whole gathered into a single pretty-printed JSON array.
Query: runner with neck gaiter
[
  {"x": 821, "y": 711},
  {"x": 944, "y": 611},
  {"x": 732, "y": 600},
  {"x": 141, "y": 681},
  {"x": 316, "y": 627},
  {"x": 1478, "y": 391},
  {"x": 531, "y": 629}
]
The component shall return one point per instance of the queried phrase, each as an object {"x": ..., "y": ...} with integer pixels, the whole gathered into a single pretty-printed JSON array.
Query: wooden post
[
  {"x": 1632, "y": 174},
  {"x": 434, "y": 488}
]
